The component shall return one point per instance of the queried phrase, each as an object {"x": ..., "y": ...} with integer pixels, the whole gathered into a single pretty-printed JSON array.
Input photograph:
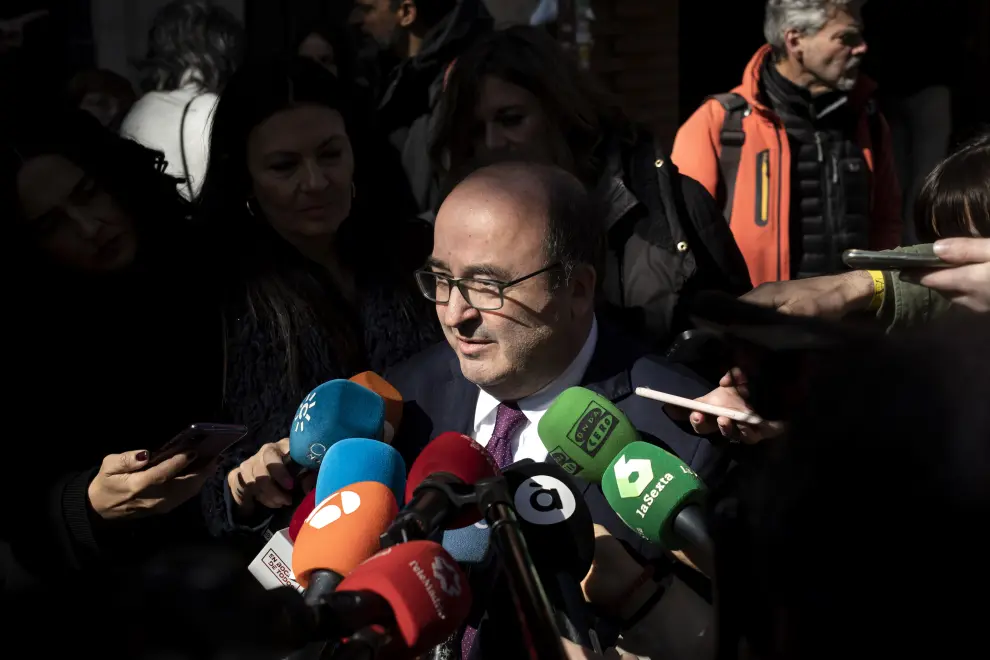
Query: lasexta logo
[
  {"x": 544, "y": 500},
  {"x": 332, "y": 509},
  {"x": 592, "y": 429},
  {"x": 626, "y": 470}
]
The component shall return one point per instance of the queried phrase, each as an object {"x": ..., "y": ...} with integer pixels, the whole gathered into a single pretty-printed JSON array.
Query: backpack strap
[{"x": 732, "y": 138}]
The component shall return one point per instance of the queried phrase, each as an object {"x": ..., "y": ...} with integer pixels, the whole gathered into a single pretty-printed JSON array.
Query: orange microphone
[
  {"x": 341, "y": 532},
  {"x": 427, "y": 592},
  {"x": 393, "y": 400}
]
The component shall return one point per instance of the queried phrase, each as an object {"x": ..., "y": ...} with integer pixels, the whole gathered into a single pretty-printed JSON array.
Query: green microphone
[
  {"x": 659, "y": 497},
  {"x": 583, "y": 432}
]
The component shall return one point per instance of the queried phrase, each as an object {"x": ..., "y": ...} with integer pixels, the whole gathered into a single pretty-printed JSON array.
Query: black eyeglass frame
[{"x": 459, "y": 281}]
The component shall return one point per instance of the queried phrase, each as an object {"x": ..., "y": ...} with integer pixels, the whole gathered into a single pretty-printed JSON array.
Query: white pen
[{"x": 707, "y": 408}]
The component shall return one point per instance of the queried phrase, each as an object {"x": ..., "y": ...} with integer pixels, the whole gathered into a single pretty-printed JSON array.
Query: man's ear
[
  {"x": 583, "y": 284},
  {"x": 407, "y": 13},
  {"x": 792, "y": 42}
]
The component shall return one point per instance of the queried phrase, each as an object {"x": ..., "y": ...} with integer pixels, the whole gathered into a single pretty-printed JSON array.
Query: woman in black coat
[
  {"x": 316, "y": 278},
  {"x": 113, "y": 345}
]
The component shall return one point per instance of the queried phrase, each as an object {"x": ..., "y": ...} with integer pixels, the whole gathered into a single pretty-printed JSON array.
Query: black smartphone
[
  {"x": 207, "y": 440},
  {"x": 867, "y": 260}
]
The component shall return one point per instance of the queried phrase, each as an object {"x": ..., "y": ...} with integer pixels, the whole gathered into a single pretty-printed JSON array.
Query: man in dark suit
[{"x": 514, "y": 272}]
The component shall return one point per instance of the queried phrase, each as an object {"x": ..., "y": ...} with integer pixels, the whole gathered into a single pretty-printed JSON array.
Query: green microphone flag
[{"x": 647, "y": 487}]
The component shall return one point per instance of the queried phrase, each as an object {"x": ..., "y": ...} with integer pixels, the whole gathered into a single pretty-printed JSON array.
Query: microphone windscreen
[
  {"x": 647, "y": 488},
  {"x": 359, "y": 459},
  {"x": 335, "y": 410},
  {"x": 468, "y": 545},
  {"x": 302, "y": 512},
  {"x": 554, "y": 517},
  {"x": 391, "y": 396},
  {"x": 583, "y": 432},
  {"x": 459, "y": 456},
  {"x": 343, "y": 530},
  {"x": 429, "y": 594}
]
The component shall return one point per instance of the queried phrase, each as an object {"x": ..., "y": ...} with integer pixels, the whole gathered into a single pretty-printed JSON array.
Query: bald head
[
  {"x": 547, "y": 195},
  {"x": 527, "y": 239}
]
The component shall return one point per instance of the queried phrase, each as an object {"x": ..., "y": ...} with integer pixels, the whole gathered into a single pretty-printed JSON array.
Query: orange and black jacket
[{"x": 761, "y": 214}]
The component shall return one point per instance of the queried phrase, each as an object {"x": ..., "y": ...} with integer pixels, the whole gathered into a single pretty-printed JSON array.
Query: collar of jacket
[
  {"x": 611, "y": 188},
  {"x": 859, "y": 97}
]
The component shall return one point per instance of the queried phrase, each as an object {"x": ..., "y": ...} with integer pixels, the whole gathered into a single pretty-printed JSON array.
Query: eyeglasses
[{"x": 483, "y": 295}]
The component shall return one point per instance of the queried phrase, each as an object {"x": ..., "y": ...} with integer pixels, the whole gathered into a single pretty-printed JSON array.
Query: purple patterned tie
[{"x": 508, "y": 420}]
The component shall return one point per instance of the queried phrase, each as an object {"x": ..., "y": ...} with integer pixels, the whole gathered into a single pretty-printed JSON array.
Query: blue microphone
[
  {"x": 335, "y": 410},
  {"x": 354, "y": 460},
  {"x": 468, "y": 545}
]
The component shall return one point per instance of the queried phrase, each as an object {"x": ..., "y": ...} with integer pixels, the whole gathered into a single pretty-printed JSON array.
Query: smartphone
[
  {"x": 207, "y": 440},
  {"x": 867, "y": 260}
]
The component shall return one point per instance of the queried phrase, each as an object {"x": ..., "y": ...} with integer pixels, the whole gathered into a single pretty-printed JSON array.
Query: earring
[
  {"x": 353, "y": 190},
  {"x": 250, "y": 210}
]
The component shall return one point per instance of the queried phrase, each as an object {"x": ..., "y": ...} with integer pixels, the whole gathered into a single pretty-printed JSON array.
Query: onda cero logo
[
  {"x": 544, "y": 500},
  {"x": 592, "y": 429},
  {"x": 334, "y": 508}
]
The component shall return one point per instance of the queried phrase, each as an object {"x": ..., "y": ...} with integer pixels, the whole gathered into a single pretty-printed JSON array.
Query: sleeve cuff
[
  {"x": 78, "y": 515},
  {"x": 257, "y": 524}
]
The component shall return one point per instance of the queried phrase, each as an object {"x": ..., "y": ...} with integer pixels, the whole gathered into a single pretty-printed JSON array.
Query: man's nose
[
  {"x": 458, "y": 310},
  {"x": 860, "y": 49}
]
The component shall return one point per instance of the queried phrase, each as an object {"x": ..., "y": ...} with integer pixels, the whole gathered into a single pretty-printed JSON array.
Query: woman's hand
[
  {"x": 968, "y": 284},
  {"x": 125, "y": 488},
  {"x": 263, "y": 479},
  {"x": 732, "y": 392}
]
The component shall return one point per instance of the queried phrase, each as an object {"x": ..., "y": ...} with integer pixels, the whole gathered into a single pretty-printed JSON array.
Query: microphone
[
  {"x": 391, "y": 396},
  {"x": 359, "y": 459},
  {"x": 427, "y": 594},
  {"x": 439, "y": 489},
  {"x": 560, "y": 535},
  {"x": 335, "y": 410},
  {"x": 583, "y": 431},
  {"x": 468, "y": 545},
  {"x": 340, "y": 533},
  {"x": 302, "y": 512},
  {"x": 659, "y": 498}
]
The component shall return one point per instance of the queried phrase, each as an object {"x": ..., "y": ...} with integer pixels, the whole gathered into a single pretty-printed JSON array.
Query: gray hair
[{"x": 805, "y": 16}]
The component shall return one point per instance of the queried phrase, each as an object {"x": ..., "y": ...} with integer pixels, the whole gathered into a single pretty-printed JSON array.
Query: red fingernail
[{"x": 142, "y": 456}]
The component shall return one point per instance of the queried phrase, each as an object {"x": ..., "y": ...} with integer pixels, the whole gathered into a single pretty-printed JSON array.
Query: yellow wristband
[{"x": 879, "y": 289}]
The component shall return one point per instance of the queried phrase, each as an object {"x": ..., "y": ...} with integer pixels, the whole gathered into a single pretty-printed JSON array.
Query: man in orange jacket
[{"x": 798, "y": 155}]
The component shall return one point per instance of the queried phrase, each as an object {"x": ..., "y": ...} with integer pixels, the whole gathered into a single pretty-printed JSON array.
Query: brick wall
[{"x": 635, "y": 55}]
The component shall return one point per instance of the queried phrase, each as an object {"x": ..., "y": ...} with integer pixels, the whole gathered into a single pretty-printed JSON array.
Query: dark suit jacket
[{"x": 438, "y": 399}]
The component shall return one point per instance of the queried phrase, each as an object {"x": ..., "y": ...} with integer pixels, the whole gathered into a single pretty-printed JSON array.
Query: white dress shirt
[{"x": 526, "y": 441}]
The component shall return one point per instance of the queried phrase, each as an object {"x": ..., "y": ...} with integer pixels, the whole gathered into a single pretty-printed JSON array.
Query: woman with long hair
[
  {"x": 315, "y": 285},
  {"x": 516, "y": 91},
  {"x": 114, "y": 345}
]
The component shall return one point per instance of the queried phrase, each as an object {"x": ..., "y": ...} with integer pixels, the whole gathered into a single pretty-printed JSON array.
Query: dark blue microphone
[
  {"x": 354, "y": 460},
  {"x": 468, "y": 545},
  {"x": 335, "y": 410}
]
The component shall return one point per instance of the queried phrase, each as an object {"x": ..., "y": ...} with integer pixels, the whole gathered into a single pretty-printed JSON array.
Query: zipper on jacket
[
  {"x": 780, "y": 183},
  {"x": 763, "y": 188}
]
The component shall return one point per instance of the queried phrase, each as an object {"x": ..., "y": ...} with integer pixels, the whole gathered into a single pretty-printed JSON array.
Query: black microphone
[{"x": 560, "y": 534}]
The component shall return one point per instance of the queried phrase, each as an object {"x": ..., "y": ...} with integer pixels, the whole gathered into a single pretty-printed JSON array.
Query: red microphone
[
  {"x": 340, "y": 533},
  {"x": 427, "y": 592},
  {"x": 448, "y": 466},
  {"x": 302, "y": 512}
]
